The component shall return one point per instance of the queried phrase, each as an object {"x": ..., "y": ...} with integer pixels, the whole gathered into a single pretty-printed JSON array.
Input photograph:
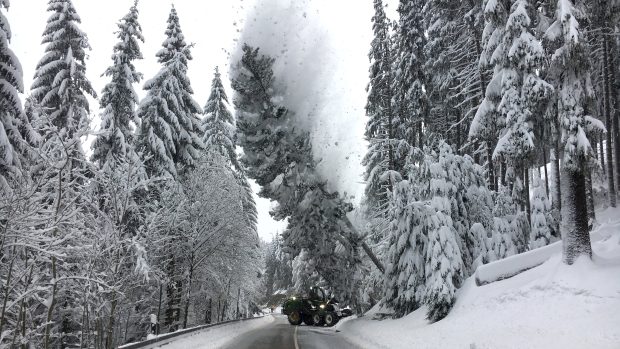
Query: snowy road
[
  {"x": 270, "y": 332},
  {"x": 280, "y": 335}
]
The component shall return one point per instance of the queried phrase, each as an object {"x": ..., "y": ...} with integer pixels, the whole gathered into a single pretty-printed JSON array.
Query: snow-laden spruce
[
  {"x": 541, "y": 213},
  {"x": 410, "y": 101},
  {"x": 570, "y": 65},
  {"x": 169, "y": 135},
  {"x": 380, "y": 159},
  {"x": 440, "y": 217},
  {"x": 12, "y": 118},
  {"x": 219, "y": 137},
  {"x": 119, "y": 98},
  {"x": 60, "y": 85}
]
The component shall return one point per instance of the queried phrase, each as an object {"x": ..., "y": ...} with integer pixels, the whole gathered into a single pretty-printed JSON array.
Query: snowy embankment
[
  {"x": 549, "y": 306},
  {"x": 216, "y": 336}
]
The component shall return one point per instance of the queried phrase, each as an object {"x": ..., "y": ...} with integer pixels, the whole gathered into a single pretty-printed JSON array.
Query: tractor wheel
[
  {"x": 317, "y": 319},
  {"x": 294, "y": 318},
  {"x": 330, "y": 319},
  {"x": 308, "y": 320}
]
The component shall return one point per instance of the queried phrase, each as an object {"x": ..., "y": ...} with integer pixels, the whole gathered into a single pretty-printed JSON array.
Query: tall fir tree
[
  {"x": 12, "y": 144},
  {"x": 570, "y": 64},
  {"x": 523, "y": 91},
  {"x": 119, "y": 98},
  {"x": 219, "y": 136},
  {"x": 169, "y": 136},
  {"x": 60, "y": 85},
  {"x": 410, "y": 101},
  {"x": 381, "y": 126}
]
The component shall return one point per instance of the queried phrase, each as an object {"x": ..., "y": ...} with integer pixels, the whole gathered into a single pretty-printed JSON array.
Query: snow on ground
[
  {"x": 217, "y": 336},
  {"x": 550, "y": 306}
]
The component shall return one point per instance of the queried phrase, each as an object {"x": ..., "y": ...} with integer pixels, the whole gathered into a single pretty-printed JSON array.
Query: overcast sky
[{"x": 214, "y": 26}]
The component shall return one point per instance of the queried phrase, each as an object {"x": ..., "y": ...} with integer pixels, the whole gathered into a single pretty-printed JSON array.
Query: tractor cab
[{"x": 317, "y": 294}]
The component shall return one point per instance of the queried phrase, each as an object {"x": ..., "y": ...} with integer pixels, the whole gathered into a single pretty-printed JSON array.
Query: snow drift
[{"x": 549, "y": 306}]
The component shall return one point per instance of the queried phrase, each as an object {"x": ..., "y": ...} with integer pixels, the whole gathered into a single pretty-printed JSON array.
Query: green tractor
[{"x": 314, "y": 309}]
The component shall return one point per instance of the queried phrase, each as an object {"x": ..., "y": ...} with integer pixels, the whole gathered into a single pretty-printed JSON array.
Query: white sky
[{"x": 214, "y": 25}]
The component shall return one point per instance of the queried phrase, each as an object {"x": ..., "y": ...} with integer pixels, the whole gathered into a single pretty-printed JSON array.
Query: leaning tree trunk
[{"x": 575, "y": 234}]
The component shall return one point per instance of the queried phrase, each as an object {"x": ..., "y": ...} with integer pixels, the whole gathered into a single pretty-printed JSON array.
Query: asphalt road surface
[{"x": 281, "y": 335}]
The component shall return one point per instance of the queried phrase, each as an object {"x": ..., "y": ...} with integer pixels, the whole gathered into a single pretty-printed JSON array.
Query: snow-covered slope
[{"x": 550, "y": 306}]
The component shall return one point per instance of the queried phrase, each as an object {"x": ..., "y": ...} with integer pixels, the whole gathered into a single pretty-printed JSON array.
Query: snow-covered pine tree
[
  {"x": 380, "y": 160},
  {"x": 219, "y": 124},
  {"x": 444, "y": 264},
  {"x": 404, "y": 274},
  {"x": 410, "y": 102},
  {"x": 11, "y": 113},
  {"x": 505, "y": 233},
  {"x": 601, "y": 18},
  {"x": 487, "y": 122},
  {"x": 523, "y": 94},
  {"x": 119, "y": 98},
  {"x": 413, "y": 215},
  {"x": 169, "y": 136},
  {"x": 219, "y": 137},
  {"x": 60, "y": 85},
  {"x": 570, "y": 64},
  {"x": 541, "y": 209}
]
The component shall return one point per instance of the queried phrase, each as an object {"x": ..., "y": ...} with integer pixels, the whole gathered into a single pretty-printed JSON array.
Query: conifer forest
[{"x": 477, "y": 172}]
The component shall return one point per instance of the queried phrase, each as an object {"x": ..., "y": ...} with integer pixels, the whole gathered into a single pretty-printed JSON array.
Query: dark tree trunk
[
  {"x": 590, "y": 197},
  {"x": 492, "y": 179},
  {"x": 613, "y": 76},
  {"x": 602, "y": 155},
  {"x": 208, "y": 312},
  {"x": 607, "y": 100},
  {"x": 575, "y": 234},
  {"x": 238, "y": 296},
  {"x": 526, "y": 195}
]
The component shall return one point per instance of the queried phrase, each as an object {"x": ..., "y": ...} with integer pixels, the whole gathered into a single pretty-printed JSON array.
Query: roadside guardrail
[{"x": 170, "y": 337}]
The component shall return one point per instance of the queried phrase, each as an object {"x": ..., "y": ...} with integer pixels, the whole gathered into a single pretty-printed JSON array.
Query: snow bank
[
  {"x": 549, "y": 306},
  {"x": 216, "y": 336}
]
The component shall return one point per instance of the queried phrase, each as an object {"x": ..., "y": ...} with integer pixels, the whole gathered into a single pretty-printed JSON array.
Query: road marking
[{"x": 295, "y": 337}]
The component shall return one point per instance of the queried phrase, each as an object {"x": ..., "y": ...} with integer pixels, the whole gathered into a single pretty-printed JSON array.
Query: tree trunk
[
  {"x": 50, "y": 309},
  {"x": 575, "y": 235},
  {"x": 526, "y": 195},
  {"x": 127, "y": 324},
  {"x": 238, "y": 296},
  {"x": 7, "y": 289},
  {"x": 208, "y": 312},
  {"x": 607, "y": 100},
  {"x": 219, "y": 306},
  {"x": 491, "y": 169},
  {"x": 189, "y": 292},
  {"x": 161, "y": 291},
  {"x": 602, "y": 155},
  {"x": 544, "y": 162},
  {"x": 613, "y": 77},
  {"x": 590, "y": 197}
]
